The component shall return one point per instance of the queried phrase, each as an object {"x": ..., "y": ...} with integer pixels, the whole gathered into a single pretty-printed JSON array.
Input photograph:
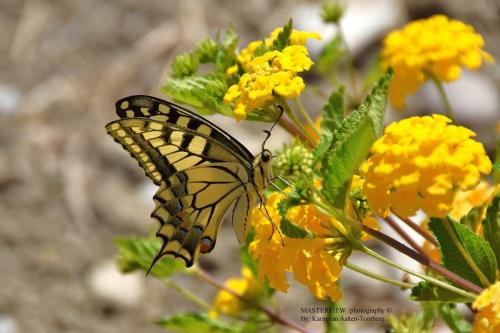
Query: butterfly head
[{"x": 266, "y": 156}]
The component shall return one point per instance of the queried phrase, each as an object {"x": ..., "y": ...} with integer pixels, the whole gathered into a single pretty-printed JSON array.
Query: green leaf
[
  {"x": 220, "y": 53},
  {"x": 283, "y": 38},
  {"x": 288, "y": 228},
  {"x": 261, "y": 49},
  {"x": 421, "y": 322},
  {"x": 226, "y": 56},
  {"x": 293, "y": 230},
  {"x": 491, "y": 227},
  {"x": 428, "y": 292},
  {"x": 478, "y": 249},
  {"x": 454, "y": 318},
  {"x": 245, "y": 256},
  {"x": 333, "y": 111},
  {"x": 374, "y": 72},
  {"x": 247, "y": 260},
  {"x": 207, "y": 50},
  {"x": 329, "y": 57},
  {"x": 197, "y": 323},
  {"x": 204, "y": 92},
  {"x": 352, "y": 142},
  {"x": 472, "y": 218},
  {"x": 332, "y": 116},
  {"x": 184, "y": 65},
  {"x": 139, "y": 253},
  {"x": 376, "y": 102},
  {"x": 496, "y": 165}
]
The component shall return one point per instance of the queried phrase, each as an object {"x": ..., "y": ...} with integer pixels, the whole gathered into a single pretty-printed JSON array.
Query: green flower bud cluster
[
  {"x": 332, "y": 11},
  {"x": 294, "y": 161},
  {"x": 359, "y": 202}
]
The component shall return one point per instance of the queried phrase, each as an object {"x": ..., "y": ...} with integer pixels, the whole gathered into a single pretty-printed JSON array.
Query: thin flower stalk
[
  {"x": 423, "y": 232},
  {"x": 453, "y": 277},
  {"x": 378, "y": 277},
  {"x": 448, "y": 111},
  {"x": 273, "y": 316},
  {"x": 186, "y": 293},
  {"x": 427, "y": 278},
  {"x": 306, "y": 115},
  {"x": 394, "y": 225}
]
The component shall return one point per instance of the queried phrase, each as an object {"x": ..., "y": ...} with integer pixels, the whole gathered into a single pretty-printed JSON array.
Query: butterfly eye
[{"x": 266, "y": 156}]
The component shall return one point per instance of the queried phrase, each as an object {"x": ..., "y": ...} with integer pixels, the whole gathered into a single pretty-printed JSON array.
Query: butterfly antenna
[
  {"x": 268, "y": 132},
  {"x": 284, "y": 181},
  {"x": 277, "y": 187}
]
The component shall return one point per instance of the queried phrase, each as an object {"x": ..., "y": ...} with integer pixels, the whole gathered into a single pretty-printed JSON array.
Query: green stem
[
  {"x": 401, "y": 232},
  {"x": 444, "y": 98},
  {"x": 451, "y": 276},
  {"x": 294, "y": 131},
  {"x": 427, "y": 278},
  {"x": 306, "y": 115},
  {"x": 423, "y": 232},
  {"x": 350, "y": 62},
  {"x": 377, "y": 276},
  {"x": 296, "y": 122},
  {"x": 348, "y": 221},
  {"x": 464, "y": 253},
  {"x": 186, "y": 293}
]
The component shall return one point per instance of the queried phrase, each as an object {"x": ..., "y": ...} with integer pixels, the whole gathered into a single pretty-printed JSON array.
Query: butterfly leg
[{"x": 273, "y": 225}]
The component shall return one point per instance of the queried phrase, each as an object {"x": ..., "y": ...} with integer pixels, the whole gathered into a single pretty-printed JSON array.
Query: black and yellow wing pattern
[{"x": 200, "y": 170}]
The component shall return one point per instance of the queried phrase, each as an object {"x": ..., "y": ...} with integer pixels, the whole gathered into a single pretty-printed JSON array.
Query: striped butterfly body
[{"x": 200, "y": 170}]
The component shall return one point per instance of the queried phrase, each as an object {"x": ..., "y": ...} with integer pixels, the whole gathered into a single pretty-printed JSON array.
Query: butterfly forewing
[
  {"x": 201, "y": 171},
  {"x": 164, "y": 111}
]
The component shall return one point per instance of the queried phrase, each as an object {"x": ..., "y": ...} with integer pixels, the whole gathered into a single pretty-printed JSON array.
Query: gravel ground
[{"x": 66, "y": 189}]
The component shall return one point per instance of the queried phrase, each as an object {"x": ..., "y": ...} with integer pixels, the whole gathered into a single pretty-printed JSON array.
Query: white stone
[
  {"x": 9, "y": 98},
  {"x": 111, "y": 285},
  {"x": 7, "y": 325}
]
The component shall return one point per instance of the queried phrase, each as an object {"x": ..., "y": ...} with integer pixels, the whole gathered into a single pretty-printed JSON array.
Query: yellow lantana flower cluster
[
  {"x": 296, "y": 38},
  {"x": 487, "y": 319},
  {"x": 310, "y": 260},
  {"x": 437, "y": 46},
  {"x": 420, "y": 163},
  {"x": 271, "y": 74},
  {"x": 226, "y": 303}
]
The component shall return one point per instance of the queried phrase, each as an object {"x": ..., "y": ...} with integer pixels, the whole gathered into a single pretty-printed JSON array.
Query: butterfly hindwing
[{"x": 191, "y": 205}]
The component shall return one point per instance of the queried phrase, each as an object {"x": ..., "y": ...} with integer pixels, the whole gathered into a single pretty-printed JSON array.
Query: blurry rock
[
  {"x": 7, "y": 325},
  {"x": 9, "y": 98},
  {"x": 111, "y": 285},
  {"x": 363, "y": 22}
]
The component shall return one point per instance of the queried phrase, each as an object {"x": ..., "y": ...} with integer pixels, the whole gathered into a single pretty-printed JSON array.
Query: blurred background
[{"x": 66, "y": 189}]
